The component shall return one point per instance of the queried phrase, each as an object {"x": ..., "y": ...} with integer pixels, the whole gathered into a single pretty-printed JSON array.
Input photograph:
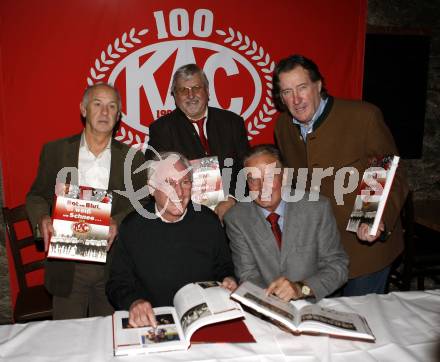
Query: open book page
[
  {"x": 316, "y": 319},
  {"x": 199, "y": 304},
  {"x": 268, "y": 305},
  {"x": 301, "y": 316},
  {"x": 167, "y": 336}
]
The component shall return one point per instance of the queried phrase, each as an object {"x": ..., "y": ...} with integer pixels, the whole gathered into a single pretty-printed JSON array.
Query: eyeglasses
[{"x": 184, "y": 91}]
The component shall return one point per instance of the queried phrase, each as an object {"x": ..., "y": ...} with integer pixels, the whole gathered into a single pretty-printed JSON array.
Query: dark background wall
[{"x": 418, "y": 16}]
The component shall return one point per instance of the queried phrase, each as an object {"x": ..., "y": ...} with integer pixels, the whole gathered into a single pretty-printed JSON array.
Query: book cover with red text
[{"x": 81, "y": 222}]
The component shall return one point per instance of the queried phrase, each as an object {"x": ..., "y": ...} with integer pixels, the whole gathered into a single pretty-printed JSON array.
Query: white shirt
[
  {"x": 159, "y": 215},
  {"x": 204, "y": 124},
  {"x": 93, "y": 171}
]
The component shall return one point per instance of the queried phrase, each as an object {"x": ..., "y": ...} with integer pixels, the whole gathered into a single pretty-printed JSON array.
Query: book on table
[
  {"x": 372, "y": 194},
  {"x": 201, "y": 312},
  {"x": 207, "y": 188},
  {"x": 302, "y": 317},
  {"x": 81, "y": 221}
]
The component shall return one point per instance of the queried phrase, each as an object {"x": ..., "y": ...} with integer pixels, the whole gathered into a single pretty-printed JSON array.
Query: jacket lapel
[
  {"x": 290, "y": 227},
  {"x": 189, "y": 136},
  {"x": 116, "y": 166},
  {"x": 264, "y": 233},
  {"x": 213, "y": 133},
  {"x": 71, "y": 154}
]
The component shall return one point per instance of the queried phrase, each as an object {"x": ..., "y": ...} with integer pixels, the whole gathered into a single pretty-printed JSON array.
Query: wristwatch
[{"x": 305, "y": 289}]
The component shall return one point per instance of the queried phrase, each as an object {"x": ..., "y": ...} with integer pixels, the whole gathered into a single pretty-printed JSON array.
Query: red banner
[{"x": 51, "y": 50}]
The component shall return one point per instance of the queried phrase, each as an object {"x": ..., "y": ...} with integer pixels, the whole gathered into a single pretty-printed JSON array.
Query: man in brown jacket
[{"x": 323, "y": 135}]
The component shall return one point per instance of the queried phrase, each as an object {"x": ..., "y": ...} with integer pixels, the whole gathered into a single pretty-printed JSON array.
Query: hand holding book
[
  {"x": 45, "y": 230},
  {"x": 112, "y": 232},
  {"x": 363, "y": 232}
]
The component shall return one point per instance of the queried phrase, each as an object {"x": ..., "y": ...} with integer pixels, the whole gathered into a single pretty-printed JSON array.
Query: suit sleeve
[
  {"x": 246, "y": 267},
  {"x": 139, "y": 180},
  {"x": 332, "y": 271},
  {"x": 158, "y": 140},
  {"x": 122, "y": 287},
  {"x": 223, "y": 260},
  {"x": 241, "y": 146},
  {"x": 40, "y": 195},
  {"x": 380, "y": 142}
]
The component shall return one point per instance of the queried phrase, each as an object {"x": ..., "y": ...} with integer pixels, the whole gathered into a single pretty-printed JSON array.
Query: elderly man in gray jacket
[{"x": 291, "y": 248}]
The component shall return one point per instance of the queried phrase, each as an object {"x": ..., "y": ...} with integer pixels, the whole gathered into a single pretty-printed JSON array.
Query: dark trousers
[
  {"x": 366, "y": 284},
  {"x": 87, "y": 298}
]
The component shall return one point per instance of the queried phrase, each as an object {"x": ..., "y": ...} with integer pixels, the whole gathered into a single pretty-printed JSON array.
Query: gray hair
[
  {"x": 264, "y": 149},
  {"x": 186, "y": 72},
  {"x": 86, "y": 96},
  {"x": 160, "y": 156}
]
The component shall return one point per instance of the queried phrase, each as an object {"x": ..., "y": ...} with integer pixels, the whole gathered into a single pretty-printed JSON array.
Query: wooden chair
[
  {"x": 33, "y": 303},
  {"x": 421, "y": 256}
]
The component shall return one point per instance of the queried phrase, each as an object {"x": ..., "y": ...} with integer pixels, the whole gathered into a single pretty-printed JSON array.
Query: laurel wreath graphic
[
  {"x": 244, "y": 44},
  {"x": 114, "y": 51},
  {"x": 262, "y": 60}
]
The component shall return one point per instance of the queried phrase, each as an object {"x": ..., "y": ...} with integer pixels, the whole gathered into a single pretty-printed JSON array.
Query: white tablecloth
[{"x": 406, "y": 326}]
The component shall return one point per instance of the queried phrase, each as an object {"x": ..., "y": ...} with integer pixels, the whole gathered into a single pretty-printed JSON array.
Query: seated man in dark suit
[
  {"x": 291, "y": 248},
  {"x": 196, "y": 130},
  {"x": 175, "y": 245}
]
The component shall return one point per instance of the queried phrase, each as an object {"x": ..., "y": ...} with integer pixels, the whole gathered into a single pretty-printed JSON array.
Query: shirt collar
[
  {"x": 83, "y": 143},
  {"x": 279, "y": 210},
  {"x": 309, "y": 126},
  {"x": 159, "y": 215},
  {"x": 204, "y": 115}
]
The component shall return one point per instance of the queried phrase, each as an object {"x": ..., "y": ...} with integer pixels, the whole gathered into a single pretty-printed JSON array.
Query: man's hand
[
  {"x": 229, "y": 283},
  {"x": 46, "y": 230},
  {"x": 141, "y": 314},
  {"x": 362, "y": 232},
  {"x": 223, "y": 207},
  {"x": 113, "y": 231},
  {"x": 285, "y": 289}
]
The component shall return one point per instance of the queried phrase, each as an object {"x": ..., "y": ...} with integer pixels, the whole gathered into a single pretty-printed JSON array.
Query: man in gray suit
[{"x": 291, "y": 248}]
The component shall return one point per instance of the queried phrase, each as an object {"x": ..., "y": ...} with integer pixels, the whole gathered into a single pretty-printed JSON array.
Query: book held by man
[
  {"x": 81, "y": 222},
  {"x": 373, "y": 192},
  {"x": 207, "y": 186},
  {"x": 196, "y": 306},
  {"x": 301, "y": 316}
]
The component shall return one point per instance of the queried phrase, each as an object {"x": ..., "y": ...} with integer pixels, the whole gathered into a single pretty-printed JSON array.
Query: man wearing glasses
[
  {"x": 196, "y": 130},
  {"x": 157, "y": 255}
]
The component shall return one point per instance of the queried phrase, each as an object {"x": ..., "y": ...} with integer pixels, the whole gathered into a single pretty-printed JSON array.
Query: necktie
[
  {"x": 200, "y": 123},
  {"x": 273, "y": 219}
]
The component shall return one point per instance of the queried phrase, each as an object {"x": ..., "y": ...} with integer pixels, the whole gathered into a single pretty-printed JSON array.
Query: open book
[
  {"x": 81, "y": 221},
  {"x": 195, "y": 305},
  {"x": 303, "y": 317},
  {"x": 373, "y": 193}
]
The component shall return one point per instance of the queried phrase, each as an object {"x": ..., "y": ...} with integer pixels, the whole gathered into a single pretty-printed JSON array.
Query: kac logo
[{"x": 238, "y": 69}]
